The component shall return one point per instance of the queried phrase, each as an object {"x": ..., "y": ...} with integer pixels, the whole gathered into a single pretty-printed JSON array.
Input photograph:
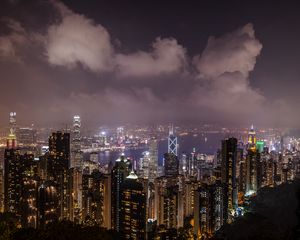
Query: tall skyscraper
[
  {"x": 172, "y": 141},
  {"x": 12, "y": 177},
  {"x": 169, "y": 204},
  {"x": 58, "y": 167},
  {"x": 75, "y": 194},
  {"x": 29, "y": 190},
  {"x": 171, "y": 164},
  {"x": 20, "y": 183},
  {"x": 228, "y": 176},
  {"x": 76, "y": 155},
  {"x": 251, "y": 138},
  {"x": 144, "y": 165},
  {"x": 93, "y": 190},
  {"x": 118, "y": 174},
  {"x": 133, "y": 215},
  {"x": 252, "y": 159},
  {"x": 13, "y": 122},
  {"x": 153, "y": 155},
  {"x": 47, "y": 204},
  {"x": 208, "y": 213}
]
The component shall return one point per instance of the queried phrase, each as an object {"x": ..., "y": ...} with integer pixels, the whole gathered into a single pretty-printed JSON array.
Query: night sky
[{"x": 226, "y": 62}]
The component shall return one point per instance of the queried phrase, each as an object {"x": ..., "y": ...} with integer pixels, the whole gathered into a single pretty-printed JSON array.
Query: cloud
[
  {"x": 233, "y": 52},
  {"x": 10, "y": 42},
  {"x": 215, "y": 87},
  {"x": 77, "y": 39},
  {"x": 224, "y": 68},
  {"x": 166, "y": 57}
]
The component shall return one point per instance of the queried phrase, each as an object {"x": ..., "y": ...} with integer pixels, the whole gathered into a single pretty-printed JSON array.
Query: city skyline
[{"x": 115, "y": 63}]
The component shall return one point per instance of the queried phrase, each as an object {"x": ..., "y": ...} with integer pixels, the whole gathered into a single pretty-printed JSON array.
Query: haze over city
[{"x": 227, "y": 63}]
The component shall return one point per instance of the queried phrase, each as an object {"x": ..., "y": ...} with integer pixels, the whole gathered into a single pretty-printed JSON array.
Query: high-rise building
[
  {"x": 13, "y": 122},
  {"x": 47, "y": 204},
  {"x": 58, "y": 169},
  {"x": 12, "y": 177},
  {"x": 1, "y": 189},
  {"x": 93, "y": 198},
  {"x": 75, "y": 194},
  {"x": 118, "y": 174},
  {"x": 208, "y": 211},
  {"x": 172, "y": 141},
  {"x": 153, "y": 155},
  {"x": 29, "y": 190},
  {"x": 171, "y": 164},
  {"x": 252, "y": 159},
  {"x": 144, "y": 165},
  {"x": 76, "y": 154},
  {"x": 133, "y": 215},
  {"x": 169, "y": 202},
  {"x": 252, "y": 138},
  {"x": 26, "y": 137},
  {"x": 20, "y": 183},
  {"x": 228, "y": 177}
]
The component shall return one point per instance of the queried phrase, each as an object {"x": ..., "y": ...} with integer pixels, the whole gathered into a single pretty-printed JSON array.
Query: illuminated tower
[
  {"x": 208, "y": 213},
  {"x": 252, "y": 160},
  {"x": 153, "y": 154},
  {"x": 171, "y": 165},
  {"x": 118, "y": 174},
  {"x": 93, "y": 190},
  {"x": 12, "y": 178},
  {"x": 172, "y": 141},
  {"x": 76, "y": 158},
  {"x": 47, "y": 204},
  {"x": 144, "y": 165},
  {"x": 13, "y": 121},
  {"x": 252, "y": 139},
  {"x": 58, "y": 169},
  {"x": 133, "y": 209},
  {"x": 228, "y": 177}
]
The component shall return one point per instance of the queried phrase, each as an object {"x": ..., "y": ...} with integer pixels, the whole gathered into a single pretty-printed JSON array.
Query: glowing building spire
[
  {"x": 76, "y": 159},
  {"x": 172, "y": 141},
  {"x": 13, "y": 121},
  {"x": 252, "y": 138},
  {"x": 11, "y": 141}
]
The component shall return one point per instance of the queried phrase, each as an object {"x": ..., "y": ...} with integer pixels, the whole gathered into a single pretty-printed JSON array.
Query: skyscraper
[
  {"x": 76, "y": 155},
  {"x": 171, "y": 164},
  {"x": 133, "y": 215},
  {"x": 29, "y": 190},
  {"x": 75, "y": 194},
  {"x": 172, "y": 141},
  {"x": 252, "y": 159},
  {"x": 12, "y": 177},
  {"x": 169, "y": 204},
  {"x": 20, "y": 183},
  {"x": 57, "y": 169},
  {"x": 153, "y": 155},
  {"x": 93, "y": 189},
  {"x": 47, "y": 204},
  {"x": 13, "y": 122},
  {"x": 228, "y": 177},
  {"x": 208, "y": 213},
  {"x": 118, "y": 174}
]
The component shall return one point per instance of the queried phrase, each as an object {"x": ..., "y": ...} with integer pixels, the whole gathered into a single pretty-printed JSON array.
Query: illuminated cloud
[
  {"x": 216, "y": 86},
  {"x": 78, "y": 40},
  {"x": 233, "y": 52},
  {"x": 166, "y": 57},
  {"x": 224, "y": 68}
]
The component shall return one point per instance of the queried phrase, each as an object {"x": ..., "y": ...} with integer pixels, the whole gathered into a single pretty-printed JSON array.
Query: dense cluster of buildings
[{"x": 140, "y": 200}]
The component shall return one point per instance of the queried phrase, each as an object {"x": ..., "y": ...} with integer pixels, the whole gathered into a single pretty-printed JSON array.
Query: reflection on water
[{"x": 203, "y": 143}]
